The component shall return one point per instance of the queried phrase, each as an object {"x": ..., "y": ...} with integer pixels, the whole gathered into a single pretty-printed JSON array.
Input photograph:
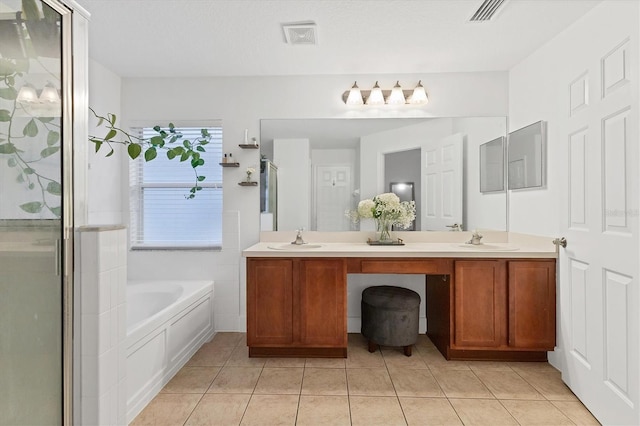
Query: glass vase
[{"x": 384, "y": 228}]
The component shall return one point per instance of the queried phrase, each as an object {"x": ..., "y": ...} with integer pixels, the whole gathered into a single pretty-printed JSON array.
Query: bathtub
[{"x": 167, "y": 322}]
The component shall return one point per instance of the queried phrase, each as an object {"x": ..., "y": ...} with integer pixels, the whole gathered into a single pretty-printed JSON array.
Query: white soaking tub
[{"x": 167, "y": 322}]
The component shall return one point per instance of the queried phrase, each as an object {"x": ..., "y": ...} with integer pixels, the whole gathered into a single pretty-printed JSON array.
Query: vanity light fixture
[
  {"x": 355, "y": 96},
  {"x": 27, "y": 94},
  {"x": 378, "y": 96},
  {"x": 49, "y": 94},
  {"x": 396, "y": 97}
]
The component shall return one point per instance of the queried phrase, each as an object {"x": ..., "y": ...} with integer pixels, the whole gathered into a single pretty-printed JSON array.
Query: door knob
[{"x": 560, "y": 242}]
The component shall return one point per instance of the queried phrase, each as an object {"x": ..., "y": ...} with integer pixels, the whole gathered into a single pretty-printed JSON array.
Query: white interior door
[
  {"x": 442, "y": 193},
  {"x": 598, "y": 270},
  {"x": 332, "y": 198}
]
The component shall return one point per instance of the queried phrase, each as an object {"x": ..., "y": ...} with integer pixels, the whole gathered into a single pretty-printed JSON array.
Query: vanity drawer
[{"x": 409, "y": 266}]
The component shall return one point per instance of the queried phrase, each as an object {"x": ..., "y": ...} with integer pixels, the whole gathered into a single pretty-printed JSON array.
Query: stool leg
[
  {"x": 372, "y": 346},
  {"x": 407, "y": 350}
]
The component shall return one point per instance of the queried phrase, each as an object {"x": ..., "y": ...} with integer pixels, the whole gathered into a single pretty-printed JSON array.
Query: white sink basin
[
  {"x": 290, "y": 246},
  {"x": 488, "y": 247}
]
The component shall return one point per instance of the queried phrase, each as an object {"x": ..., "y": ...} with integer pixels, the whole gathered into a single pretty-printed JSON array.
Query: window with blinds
[{"x": 162, "y": 217}]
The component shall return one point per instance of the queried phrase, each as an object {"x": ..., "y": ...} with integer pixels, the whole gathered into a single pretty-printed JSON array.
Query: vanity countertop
[{"x": 414, "y": 249}]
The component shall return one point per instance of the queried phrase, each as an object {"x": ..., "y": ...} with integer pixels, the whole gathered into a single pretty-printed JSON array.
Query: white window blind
[{"x": 161, "y": 214}]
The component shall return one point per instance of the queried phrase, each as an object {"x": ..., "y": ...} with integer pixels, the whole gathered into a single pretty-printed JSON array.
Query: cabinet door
[
  {"x": 323, "y": 307},
  {"x": 269, "y": 301},
  {"x": 532, "y": 304},
  {"x": 480, "y": 304}
]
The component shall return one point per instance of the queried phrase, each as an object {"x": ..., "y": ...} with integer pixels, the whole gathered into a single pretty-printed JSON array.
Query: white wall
[
  {"x": 240, "y": 102},
  {"x": 107, "y": 177}
]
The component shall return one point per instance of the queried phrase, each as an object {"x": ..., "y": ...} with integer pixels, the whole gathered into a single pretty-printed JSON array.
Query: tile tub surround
[{"x": 221, "y": 385}]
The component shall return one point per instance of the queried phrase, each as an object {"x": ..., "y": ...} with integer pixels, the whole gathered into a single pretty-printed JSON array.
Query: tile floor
[{"x": 221, "y": 385}]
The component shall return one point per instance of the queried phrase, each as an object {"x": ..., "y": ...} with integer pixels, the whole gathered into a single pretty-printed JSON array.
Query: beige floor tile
[
  {"x": 323, "y": 410},
  {"x": 235, "y": 380},
  {"x": 369, "y": 382},
  {"x": 326, "y": 362},
  {"x": 461, "y": 384},
  {"x": 419, "y": 383},
  {"x": 219, "y": 409},
  {"x": 507, "y": 385},
  {"x": 210, "y": 355},
  {"x": 370, "y": 411},
  {"x": 528, "y": 366},
  {"x": 549, "y": 384},
  {"x": 536, "y": 413},
  {"x": 429, "y": 411},
  {"x": 324, "y": 381},
  {"x": 434, "y": 359},
  {"x": 577, "y": 412},
  {"x": 229, "y": 339},
  {"x": 482, "y": 412},
  {"x": 489, "y": 365},
  {"x": 191, "y": 380},
  {"x": 167, "y": 409},
  {"x": 284, "y": 362},
  {"x": 362, "y": 358},
  {"x": 279, "y": 381},
  {"x": 240, "y": 358},
  {"x": 394, "y": 357},
  {"x": 272, "y": 410}
]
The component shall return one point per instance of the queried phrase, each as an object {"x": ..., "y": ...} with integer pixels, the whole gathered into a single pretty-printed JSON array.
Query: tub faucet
[
  {"x": 475, "y": 238},
  {"x": 299, "y": 241}
]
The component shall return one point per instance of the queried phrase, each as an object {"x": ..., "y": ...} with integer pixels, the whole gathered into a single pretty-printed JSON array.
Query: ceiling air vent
[
  {"x": 300, "y": 33},
  {"x": 487, "y": 10}
]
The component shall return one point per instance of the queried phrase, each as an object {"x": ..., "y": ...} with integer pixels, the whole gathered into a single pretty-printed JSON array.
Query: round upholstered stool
[{"x": 390, "y": 317}]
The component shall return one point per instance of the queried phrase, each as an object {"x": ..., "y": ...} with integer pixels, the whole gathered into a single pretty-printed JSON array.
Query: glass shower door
[{"x": 34, "y": 219}]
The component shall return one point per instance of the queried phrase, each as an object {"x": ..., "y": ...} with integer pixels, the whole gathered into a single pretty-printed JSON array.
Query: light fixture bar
[{"x": 381, "y": 97}]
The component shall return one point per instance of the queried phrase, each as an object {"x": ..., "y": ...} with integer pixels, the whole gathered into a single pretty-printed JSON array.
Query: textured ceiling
[{"x": 160, "y": 38}]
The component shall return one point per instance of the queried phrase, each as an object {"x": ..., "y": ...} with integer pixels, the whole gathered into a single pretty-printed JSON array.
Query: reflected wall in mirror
[
  {"x": 527, "y": 156},
  {"x": 492, "y": 165},
  {"x": 326, "y": 166}
]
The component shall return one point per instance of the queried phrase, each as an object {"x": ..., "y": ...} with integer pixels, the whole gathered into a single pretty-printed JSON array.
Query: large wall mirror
[{"x": 324, "y": 167}]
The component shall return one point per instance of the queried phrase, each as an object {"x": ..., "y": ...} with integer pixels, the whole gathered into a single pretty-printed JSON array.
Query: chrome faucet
[
  {"x": 475, "y": 238},
  {"x": 299, "y": 241},
  {"x": 455, "y": 227}
]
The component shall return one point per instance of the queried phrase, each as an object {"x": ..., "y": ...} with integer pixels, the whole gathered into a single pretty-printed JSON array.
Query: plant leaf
[
  {"x": 54, "y": 188},
  {"x": 28, "y": 171},
  {"x": 201, "y": 178},
  {"x": 112, "y": 119},
  {"x": 5, "y": 115},
  {"x": 150, "y": 154},
  {"x": 7, "y": 148},
  {"x": 97, "y": 143},
  {"x": 201, "y": 149},
  {"x": 31, "y": 129},
  {"x": 53, "y": 138},
  {"x": 32, "y": 207},
  {"x": 49, "y": 151},
  {"x": 57, "y": 211},
  {"x": 45, "y": 119},
  {"x": 8, "y": 93},
  {"x": 110, "y": 153},
  {"x": 110, "y": 135},
  {"x": 185, "y": 156},
  {"x": 20, "y": 178},
  {"x": 171, "y": 154},
  {"x": 134, "y": 150},
  {"x": 11, "y": 162},
  {"x": 100, "y": 121},
  {"x": 156, "y": 140}
]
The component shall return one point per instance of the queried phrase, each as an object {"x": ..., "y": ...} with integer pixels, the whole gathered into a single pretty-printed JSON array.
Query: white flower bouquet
[{"x": 387, "y": 210}]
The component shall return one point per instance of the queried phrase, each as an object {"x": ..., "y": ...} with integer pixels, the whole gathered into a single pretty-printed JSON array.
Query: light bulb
[
  {"x": 419, "y": 94},
  {"x": 396, "y": 97},
  {"x": 27, "y": 94},
  {"x": 375, "y": 97},
  {"x": 355, "y": 96}
]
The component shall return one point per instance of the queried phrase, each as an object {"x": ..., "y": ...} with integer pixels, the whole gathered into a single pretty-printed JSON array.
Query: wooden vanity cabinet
[
  {"x": 502, "y": 309},
  {"x": 296, "y": 307}
]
